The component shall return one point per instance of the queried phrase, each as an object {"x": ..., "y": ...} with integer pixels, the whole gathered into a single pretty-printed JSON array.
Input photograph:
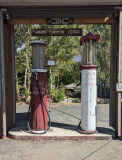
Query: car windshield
[{"x": 78, "y": 84}]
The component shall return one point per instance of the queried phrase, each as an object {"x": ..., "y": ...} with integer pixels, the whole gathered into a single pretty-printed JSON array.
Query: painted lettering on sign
[
  {"x": 59, "y": 21},
  {"x": 57, "y": 32}
]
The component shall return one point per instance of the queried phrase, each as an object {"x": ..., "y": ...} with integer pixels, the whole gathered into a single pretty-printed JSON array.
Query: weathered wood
[
  {"x": 120, "y": 76},
  {"x": 2, "y": 80},
  {"x": 112, "y": 119},
  {"x": 8, "y": 76},
  {"x": 89, "y": 21},
  {"x": 116, "y": 40},
  {"x": 1, "y": 122},
  {"x": 116, "y": 75},
  {"x": 27, "y": 21},
  {"x": 43, "y": 21},
  {"x": 13, "y": 74},
  {"x": 58, "y": 3},
  {"x": 0, "y": 110},
  {"x": 39, "y": 13}
]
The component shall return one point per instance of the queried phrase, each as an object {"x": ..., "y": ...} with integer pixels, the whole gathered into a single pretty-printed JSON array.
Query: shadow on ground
[{"x": 22, "y": 118}]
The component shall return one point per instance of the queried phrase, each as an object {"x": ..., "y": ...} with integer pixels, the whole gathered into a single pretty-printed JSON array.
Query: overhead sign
[
  {"x": 57, "y": 32},
  {"x": 59, "y": 20}
]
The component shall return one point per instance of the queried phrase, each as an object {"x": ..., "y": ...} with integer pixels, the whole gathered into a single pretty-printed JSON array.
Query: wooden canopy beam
[
  {"x": 89, "y": 21},
  {"x": 44, "y": 21},
  {"x": 27, "y": 21}
]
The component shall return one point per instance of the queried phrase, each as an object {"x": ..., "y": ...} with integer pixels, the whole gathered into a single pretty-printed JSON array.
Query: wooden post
[
  {"x": 113, "y": 73},
  {"x": 120, "y": 76},
  {"x": 2, "y": 80},
  {"x": 8, "y": 74},
  {"x": 13, "y": 73},
  {"x": 0, "y": 101},
  {"x": 116, "y": 74}
]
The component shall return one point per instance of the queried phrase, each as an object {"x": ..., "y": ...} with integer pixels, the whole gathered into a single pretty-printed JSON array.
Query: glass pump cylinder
[
  {"x": 89, "y": 52},
  {"x": 38, "y": 57}
]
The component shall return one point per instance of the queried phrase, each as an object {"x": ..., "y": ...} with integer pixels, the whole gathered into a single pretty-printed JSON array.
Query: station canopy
[
  {"x": 58, "y": 2},
  {"x": 88, "y": 11}
]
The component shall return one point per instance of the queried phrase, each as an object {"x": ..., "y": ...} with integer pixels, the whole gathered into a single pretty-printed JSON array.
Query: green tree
[{"x": 61, "y": 48}]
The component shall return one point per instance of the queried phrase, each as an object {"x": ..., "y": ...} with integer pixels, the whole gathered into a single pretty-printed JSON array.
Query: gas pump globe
[
  {"x": 88, "y": 43},
  {"x": 88, "y": 83},
  {"x": 38, "y": 120},
  {"x": 38, "y": 57}
]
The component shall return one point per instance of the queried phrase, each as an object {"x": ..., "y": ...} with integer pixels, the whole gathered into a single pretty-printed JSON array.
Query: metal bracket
[
  {"x": 119, "y": 87},
  {"x": 5, "y": 13}
]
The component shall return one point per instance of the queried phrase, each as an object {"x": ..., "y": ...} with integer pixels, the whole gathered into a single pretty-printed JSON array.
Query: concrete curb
[{"x": 59, "y": 138}]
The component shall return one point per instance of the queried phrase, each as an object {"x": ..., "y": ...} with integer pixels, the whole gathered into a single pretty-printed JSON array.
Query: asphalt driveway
[{"x": 63, "y": 150}]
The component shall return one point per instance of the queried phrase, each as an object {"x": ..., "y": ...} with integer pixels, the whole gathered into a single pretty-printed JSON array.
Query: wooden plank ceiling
[
  {"x": 45, "y": 12},
  {"x": 38, "y": 15},
  {"x": 58, "y": 2},
  {"x": 87, "y": 10}
]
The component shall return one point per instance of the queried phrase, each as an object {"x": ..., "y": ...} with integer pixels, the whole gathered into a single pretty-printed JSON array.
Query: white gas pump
[{"x": 88, "y": 83}]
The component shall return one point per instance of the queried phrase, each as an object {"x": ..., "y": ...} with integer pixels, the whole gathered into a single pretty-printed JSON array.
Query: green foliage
[
  {"x": 58, "y": 94},
  {"x": 62, "y": 49},
  {"x": 23, "y": 60}
]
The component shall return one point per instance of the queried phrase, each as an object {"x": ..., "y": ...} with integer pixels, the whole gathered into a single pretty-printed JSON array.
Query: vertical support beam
[
  {"x": 112, "y": 78},
  {"x": 1, "y": 125},
  {"x": 13, "y": 73},
  {"x": 120, "y": 76},
  {"x": 2, "y": 66},
  {"x": 8, "y": 74},
  {"x": 113, "y": 74}
]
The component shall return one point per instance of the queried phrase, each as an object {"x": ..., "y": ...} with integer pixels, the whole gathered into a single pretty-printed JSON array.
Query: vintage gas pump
[
  {"x": 88, "y": 83},
  {"x": 38, "y": 119}
]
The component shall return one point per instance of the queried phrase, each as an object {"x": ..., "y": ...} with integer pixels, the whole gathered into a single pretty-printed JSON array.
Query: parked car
[{"x": 73, "y": 90}]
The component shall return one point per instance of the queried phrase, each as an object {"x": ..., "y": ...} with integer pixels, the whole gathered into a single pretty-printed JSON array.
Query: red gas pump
[{"x": 38, "y": 114}]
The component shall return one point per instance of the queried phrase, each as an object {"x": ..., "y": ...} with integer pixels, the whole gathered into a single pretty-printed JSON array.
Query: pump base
[
  {"x": 38, "y": 132},
  {"x": 86, "y": 132}
]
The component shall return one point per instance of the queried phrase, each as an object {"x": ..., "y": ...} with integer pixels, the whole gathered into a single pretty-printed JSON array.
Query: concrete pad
[
  {"x": 56, "y": 133},
  {"x": 64, "y": 121}
]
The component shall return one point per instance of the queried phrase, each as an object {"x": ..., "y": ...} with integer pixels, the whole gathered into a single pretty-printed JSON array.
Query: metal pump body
[{"x": 38, "y": 121}]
